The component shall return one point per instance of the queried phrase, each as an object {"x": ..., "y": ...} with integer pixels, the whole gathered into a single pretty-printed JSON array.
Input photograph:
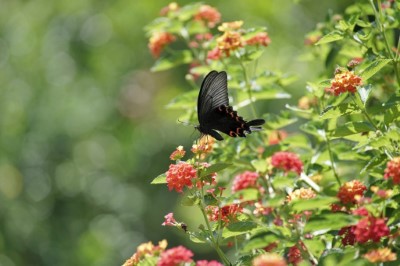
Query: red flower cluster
[
  {"x": 208, "y": 263},
  {"x": 348, "y": 192},
  {"x": 294, "y": 255},
  {"x": 158, "y": 41},
  {"x": 287, "y": 161},
  {"x": 393, "y": 170},
  {"x": 370, "y": 228},
  {"x": 209, "y": 15},
  {"x": 348, "y": 237},
  {"x": 345, "y": 81},
  {"x": 226, "y": 213},
  {"x": 214, "y": 54},
  {"x": 180, "y": 175},
  {"x": 260, "y": 38},
  {"x": 175, "y": 256},
  {"x": 169, "y": 220},
  {"x": 245, "y": 180}
]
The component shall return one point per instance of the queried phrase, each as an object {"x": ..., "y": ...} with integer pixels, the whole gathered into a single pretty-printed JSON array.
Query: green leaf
[
  {"x": 312, "y": 204},
  {"x": 190, "y": 200},
  {"x": 198, "y": 237},
  {"x": 252, "y": 55},
  {"x": 339, "y": 110},
  {"x": 329, "y": 221},
  {"x": 279, "y": 121},
  {"x": 161, "y": 179},
  {"x": 351, "y": 128},
  {"x": 261, "y": 240},
  {"x": 331, "y": 37},
  {"x": 183, "y": 101},
  {"x": 260, "y": 165},
  {"x": 300, "y": 112},
  {"x": 373, "y": 68},
  {"x": 176, "y": 59},
  {"x": 270, "y": 93},
  {"x": 246, "y": 195},
  {"x": 238, "y": 228},
  {"x": 364, "y": 93},
  {"x": 214, "y": 168}
]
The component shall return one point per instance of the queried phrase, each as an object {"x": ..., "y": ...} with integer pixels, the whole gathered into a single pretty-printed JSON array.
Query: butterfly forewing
[{"x": 213, "y": 93}]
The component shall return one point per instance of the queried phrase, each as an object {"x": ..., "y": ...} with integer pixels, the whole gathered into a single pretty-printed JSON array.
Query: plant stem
[
  {"x": 248, "y": 87},
  {"x": 364, "y": 111},
  {"x": 202, "y": 207},
  {"x": 328, "y": 143},
  {"x": 381, "y": 28}
]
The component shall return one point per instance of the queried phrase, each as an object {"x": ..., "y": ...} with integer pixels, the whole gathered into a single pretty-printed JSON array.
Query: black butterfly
[{"x": 214, "y": 112}]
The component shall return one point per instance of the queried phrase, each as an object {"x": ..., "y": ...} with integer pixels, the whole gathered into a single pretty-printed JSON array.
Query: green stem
[
  {"x": 202, "y": 207},
  {"x": 328, "y": 143},
  {"x": 364, "y": 111},
  {"x": 381, "y": 28},
  {"x": 248, "y": 87}
]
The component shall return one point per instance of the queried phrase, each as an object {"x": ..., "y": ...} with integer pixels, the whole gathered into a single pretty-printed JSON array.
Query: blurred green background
[{"x": 84, "y": 129}]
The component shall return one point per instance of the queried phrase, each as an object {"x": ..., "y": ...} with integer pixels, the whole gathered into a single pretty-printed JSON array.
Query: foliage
[{"x": 327, "y": 191}]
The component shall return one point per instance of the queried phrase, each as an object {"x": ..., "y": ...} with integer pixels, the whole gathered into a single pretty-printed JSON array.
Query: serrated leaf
[
  {"x": 339, "y": 110},
  {"x": 171, "y": 61},
  {"x": 161, "y": 179},
  {"x": 373, "y": 68},
  {"x": 330, "y": 37},
  {"x": 214, "y": 168},
  {"x": 351, "y": 128},
  {"x": 238, "y": 228}
]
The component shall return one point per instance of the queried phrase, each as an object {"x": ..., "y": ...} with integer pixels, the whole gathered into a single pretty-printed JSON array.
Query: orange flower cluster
[
  {"x": 204, "y": 146},
  {"x": 349, "y": 192},
  {"x": 175, "y": 256},
  {"x": 170, "y": 8},
  {"x": 287, "y": 161},
  {"x": 177, "y": 154},
  {"x": 345, "y": 81},
  {"x": 276, "y": 136},
  {"x": 225, "y": 214},
  {"x": 229, "y": 41},
  {"x": 180, "y": 175},
  {"x": 208, "y": 15},
  {"x": 302, "y": 193},
  {"x": 158, "y": 41},
  {"x": 269, "y": 259},
  {"x": 393, "y": 170},
  {"x": 146, "y": 250},
  {"x": 380, "y": 255}
]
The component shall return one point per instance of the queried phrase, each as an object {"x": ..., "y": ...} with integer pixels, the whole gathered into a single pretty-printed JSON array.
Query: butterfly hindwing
[{"x": 214, "y": 112}]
